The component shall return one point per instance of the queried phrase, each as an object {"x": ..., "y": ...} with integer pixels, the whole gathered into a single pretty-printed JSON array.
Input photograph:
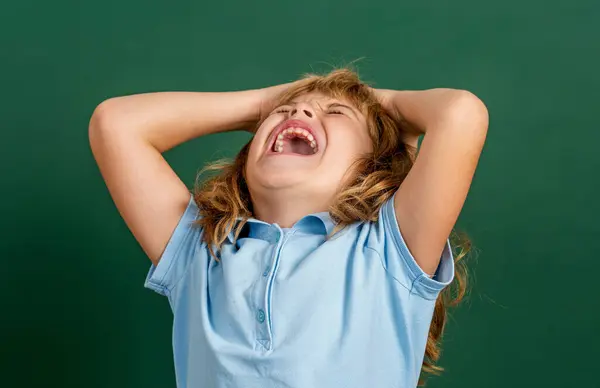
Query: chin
[{"x": 278, "y": 180}]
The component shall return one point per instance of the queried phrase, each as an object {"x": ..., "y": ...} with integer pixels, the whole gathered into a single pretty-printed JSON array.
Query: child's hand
[
  {"x": 268, "y": 99},
  {"x": 387, "y": 99},
  {"x": 425, "y": 109}
]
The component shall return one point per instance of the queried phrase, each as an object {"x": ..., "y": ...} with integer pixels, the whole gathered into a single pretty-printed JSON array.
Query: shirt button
[
  {"x": 260, "y": 316},
  {"x": 266, "y": 272}
]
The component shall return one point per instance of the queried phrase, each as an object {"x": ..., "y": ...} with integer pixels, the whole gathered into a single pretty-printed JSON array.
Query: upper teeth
[{"x": 296, "y": 132}]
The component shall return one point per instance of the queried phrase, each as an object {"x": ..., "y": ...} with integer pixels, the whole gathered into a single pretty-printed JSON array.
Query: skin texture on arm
[
  {"x": 454, "y": 124},
  {"x": 128, "y": 135}
]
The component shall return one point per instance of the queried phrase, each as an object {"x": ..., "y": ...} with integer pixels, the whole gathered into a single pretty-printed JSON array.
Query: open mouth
[{"x": 295, "y": 140}]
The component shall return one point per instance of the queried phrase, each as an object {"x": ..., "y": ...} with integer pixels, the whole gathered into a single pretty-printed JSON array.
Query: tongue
[{"x": 297, "y": 146}]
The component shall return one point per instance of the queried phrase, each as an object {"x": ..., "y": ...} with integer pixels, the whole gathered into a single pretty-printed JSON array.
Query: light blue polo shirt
[{"x": 284, "y": 308}]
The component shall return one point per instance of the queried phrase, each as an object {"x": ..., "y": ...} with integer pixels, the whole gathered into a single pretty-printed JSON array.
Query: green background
[{"x": 74, "y": 310}]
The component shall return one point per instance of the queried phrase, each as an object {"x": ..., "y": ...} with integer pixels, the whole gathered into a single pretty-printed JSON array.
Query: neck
[{"x": 285, "y": 208}]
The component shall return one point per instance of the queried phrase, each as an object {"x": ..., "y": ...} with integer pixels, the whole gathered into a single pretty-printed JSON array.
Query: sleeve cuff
[
  {"x": 422, "y": 284},
  {"x": 177, "y": 254}
]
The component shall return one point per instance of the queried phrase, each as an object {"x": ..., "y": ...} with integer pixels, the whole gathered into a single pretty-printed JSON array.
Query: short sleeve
[
  {"x": 178, "y": 253},
  {"x": 400, "y": 263}
]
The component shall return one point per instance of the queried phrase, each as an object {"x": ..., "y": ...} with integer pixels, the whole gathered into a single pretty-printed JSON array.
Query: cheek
[
  {"x": 267, "y": 125},
  {"x": 254, "y": 145},
  {"x": 348, "y": 145},
  {"x": 250, "y": 174}
]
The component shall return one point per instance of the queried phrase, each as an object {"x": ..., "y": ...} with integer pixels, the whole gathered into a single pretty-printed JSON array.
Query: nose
[{"x": 301, "y": 109}]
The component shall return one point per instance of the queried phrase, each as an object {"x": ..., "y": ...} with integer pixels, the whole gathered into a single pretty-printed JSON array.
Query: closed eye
[
  {"x": 334, "y": 108},
  {"x": 280, "y": 109}
]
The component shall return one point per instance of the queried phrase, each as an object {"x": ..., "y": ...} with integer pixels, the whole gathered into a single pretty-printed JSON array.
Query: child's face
[{"x": 327, "y": 136}]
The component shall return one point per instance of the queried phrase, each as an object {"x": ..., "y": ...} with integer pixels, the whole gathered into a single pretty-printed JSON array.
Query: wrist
[{"x": 248, "y": 109}]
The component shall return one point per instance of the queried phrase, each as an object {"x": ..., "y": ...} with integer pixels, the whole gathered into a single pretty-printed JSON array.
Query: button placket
[
  {"x": 263, "y": 315},
  {"x": 274, "y": 239},
  {"x": 260, "y": 315}
]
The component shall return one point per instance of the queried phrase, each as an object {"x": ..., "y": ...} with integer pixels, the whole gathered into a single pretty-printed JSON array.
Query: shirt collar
[{"x": 316, "y": 223}]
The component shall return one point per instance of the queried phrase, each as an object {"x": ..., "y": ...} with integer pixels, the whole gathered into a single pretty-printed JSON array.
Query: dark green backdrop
[{"x": 74, "y": 310}]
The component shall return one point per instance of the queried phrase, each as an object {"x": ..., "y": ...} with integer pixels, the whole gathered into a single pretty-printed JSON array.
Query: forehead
[{"x": 316, "y": 97}]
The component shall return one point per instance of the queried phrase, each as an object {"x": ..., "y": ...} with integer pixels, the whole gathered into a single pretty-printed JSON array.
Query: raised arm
[
  {"x": 429, "y": 201},
  {"x": 128, "y": 136}
]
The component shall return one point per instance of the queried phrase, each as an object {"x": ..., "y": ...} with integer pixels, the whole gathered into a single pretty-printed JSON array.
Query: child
[{"x": 318, "y": 257}]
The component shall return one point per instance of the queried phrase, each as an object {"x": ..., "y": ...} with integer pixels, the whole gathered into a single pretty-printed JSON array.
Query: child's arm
[
  {"x": 128, "y": 134},
  {"x": 429, "y": 201}
]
